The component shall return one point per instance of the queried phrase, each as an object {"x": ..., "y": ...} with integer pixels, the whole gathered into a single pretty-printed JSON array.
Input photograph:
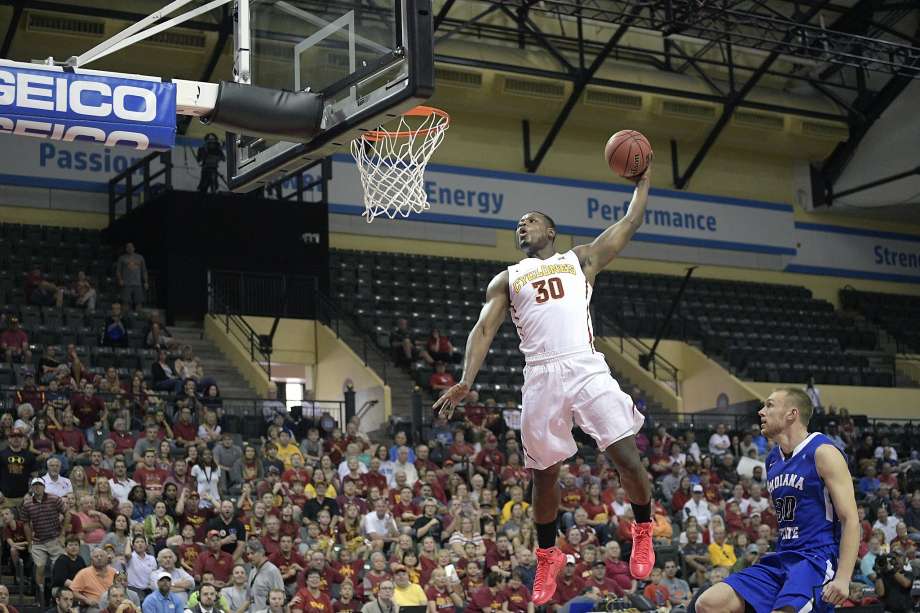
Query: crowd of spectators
[{"x": 311, "y": 517}]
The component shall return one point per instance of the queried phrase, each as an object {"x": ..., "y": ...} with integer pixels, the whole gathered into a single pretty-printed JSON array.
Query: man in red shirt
[
  {"x": 443, "y": 595},
  {"x": 87, "y": 407},
  {"x": 271, "y": 537},
  {"x": 568, "y": 585},
  {"x": 440, "y": 379},
  {"x": 311, "y": 598},
  {"x": 490, "y": 460},
  {"x": 124, "y": 441},
  {"x": 373, "y": 477},
  {"x": 30, "y": 393},
  {"x": 490, "y": 597},
  {"x": 151, "y": 477},
  {"x": 289, "y": 562},
  {"x": 15, "y": 343},
  {"x": 68, "y": 440},
  {"x": 498, "y": 559},
  {"x": 346, "y": 567},
  {"x": 215, "y": 560},
  {"x": 600, "y": 580},
  {"x": 517, "y": 594},
  {"x": 474, "y": 413},
  {"x": 185, "y": 432},
  {"x": 95, "y": 468}
]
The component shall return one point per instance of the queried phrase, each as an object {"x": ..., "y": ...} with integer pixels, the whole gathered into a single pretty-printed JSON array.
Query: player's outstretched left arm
[
  {"x": 595, "y": 256},
  {"x": 836, "y": 475}
]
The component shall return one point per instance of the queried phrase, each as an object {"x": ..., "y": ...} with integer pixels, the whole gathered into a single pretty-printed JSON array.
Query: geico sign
[
  {"x": 68, "y": 108},
  {"x": 87, "y": 98}
]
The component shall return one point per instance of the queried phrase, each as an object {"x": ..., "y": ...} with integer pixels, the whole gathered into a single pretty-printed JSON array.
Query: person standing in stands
[
  {"x": 16, "y": 466},
  {"x": 46, "y": 517},
  {"x": 131, "y": 274}
]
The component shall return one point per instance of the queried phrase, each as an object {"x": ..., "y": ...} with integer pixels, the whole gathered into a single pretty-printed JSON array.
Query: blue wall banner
[
  {"x": 107, "y": 109},
  {"x": 497, "y": 199},
  {"x": 857, "y": 253}
]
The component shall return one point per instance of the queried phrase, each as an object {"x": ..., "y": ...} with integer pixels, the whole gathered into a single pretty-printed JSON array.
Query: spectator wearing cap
[
  {"x": 14, "y": 342},
  {"x": 697, "y": 506},
  {"x": 215, "y": 561},
  {"x": 264, "y": 576},
  {"x": 181, "y": 582},
  {"x": 599, "y": 579},
  {"x": 751, "y": 554},
  {"x": 16, "y": 466},
  {"x": 92, "y": 582},
  {"x": 490, "y": 460},
  {"x": 46, "y": 518},
  {"x": 30, "y": 393},
  {"x": 162, "y": 600},
  {"x": 406, "y": 593},
  {"x": 311, "y": 598}
]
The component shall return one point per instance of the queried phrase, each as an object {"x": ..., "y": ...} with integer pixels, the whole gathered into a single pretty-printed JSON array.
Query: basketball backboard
[{"x": 369, "y": 60}]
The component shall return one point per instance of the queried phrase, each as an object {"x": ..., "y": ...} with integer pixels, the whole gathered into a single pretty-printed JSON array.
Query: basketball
[{"x": 628, "y": 153}]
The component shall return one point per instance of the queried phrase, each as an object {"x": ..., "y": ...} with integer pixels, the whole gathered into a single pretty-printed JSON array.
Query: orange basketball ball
[{"x": 628, "y": 153}]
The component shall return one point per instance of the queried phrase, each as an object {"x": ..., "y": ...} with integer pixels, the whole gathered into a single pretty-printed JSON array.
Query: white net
[{"x": 392, "y": 163}]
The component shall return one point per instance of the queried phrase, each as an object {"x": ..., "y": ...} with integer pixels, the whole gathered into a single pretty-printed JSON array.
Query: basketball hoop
[{"x": 392, "y": 162}]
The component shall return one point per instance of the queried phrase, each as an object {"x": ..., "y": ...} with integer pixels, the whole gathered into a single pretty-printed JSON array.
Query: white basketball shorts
[{"x": 572, "y": 388}]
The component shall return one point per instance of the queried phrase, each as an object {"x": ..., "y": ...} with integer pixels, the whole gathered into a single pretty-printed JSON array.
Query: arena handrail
[
  {"x": 636, "y": 349},
  {"x": 117, "y": 193},
  {"x": 237, "y": 326}
]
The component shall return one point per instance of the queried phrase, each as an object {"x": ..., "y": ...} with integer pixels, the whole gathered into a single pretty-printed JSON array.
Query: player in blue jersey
[{"x": 818, "y": 539}]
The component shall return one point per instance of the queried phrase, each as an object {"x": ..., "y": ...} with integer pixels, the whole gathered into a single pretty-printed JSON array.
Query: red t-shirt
[
  {"x": 606, "y": 585},
  {"x": 484, "y": 601},
  {"x": 221, "y": 564},
  {"x": 353, "y": 606},
  {"x": 288, "y": 475},
  {"x": 14, "y": 339},
  {"x": 197, "y": 518},
  {"x": 188, "y": 555},
  {"x": 566, "y": 589},
  {"x": 373, "y": 478},
  {"x": 440, "y": 598},
  {"x": 92, "y": 473},
  {"x": 87, "y": 409},
  {"x": 491, "y": 459},
  {"x": 17, "y": 532},
  {"x": 284, "y": 563},
  {"x": 185, "y": 432},
  {"x": 658, "y": 595},
  {"x": 310, "y": 603},
  {"x": 70, "y": 438},
  {"x": 475, "y": 413},
  {"x": 517, "y": 599},
  {"x": 571, "y": 497},
  {"x": 272, "y": 544},
  {"x": 618, "y": 570},
  {"x": 150, "y": 478},
  {"x": 351, "y": 571},
  {"x": 442, "y": 379},
  {"x": 123, "y": 441}
]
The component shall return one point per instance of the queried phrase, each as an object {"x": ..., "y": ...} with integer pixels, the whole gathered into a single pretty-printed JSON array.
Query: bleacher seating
[
  {"x": 61, "y": 253},
  {"x": 894, "y": 313},
  {"x": 764, "y": 332}
]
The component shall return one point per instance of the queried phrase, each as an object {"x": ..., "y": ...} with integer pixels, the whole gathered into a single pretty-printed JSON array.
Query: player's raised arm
[
  {"x": 833, "y": 470},
  {"x": 477, "y": 345},
  {"x": 595, "y": 256}
]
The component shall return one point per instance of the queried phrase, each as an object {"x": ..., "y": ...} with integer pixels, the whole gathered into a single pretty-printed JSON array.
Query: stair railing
[
  {"x": 661, "y": 369},
  {"x": 236, "y": 326},
  {"x": 332, "y": 315}
]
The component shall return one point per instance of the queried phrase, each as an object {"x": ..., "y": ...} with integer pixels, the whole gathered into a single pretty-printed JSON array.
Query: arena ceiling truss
[{"x": 859, "y": 54}]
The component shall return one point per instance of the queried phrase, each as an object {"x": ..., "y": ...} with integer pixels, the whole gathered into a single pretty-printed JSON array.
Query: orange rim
[{"x": 419, "y": 111}]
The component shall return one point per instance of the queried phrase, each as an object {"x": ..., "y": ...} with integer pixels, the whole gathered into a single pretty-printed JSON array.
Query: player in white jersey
[{"x": 565, "y": 379}]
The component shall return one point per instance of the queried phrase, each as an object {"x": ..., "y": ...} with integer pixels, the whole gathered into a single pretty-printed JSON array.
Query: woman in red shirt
[{"x": 439, "y": 346}]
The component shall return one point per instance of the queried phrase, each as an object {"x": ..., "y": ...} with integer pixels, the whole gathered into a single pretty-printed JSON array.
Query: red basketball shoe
[
  {"x": 550, "y": 563},
  {"x": 642, "y": 558}
]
